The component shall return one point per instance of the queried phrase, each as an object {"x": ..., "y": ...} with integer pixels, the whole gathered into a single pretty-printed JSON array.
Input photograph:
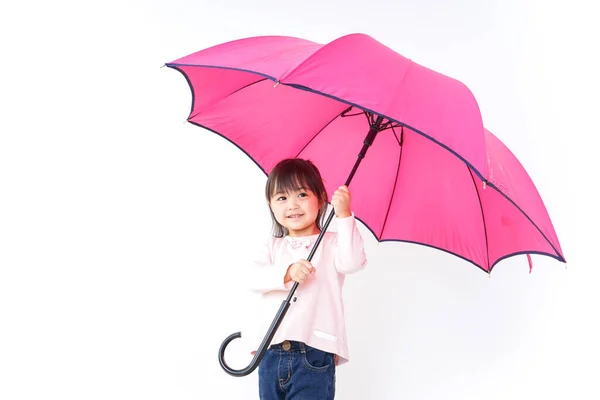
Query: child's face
[{"x": 296, "y": 210}]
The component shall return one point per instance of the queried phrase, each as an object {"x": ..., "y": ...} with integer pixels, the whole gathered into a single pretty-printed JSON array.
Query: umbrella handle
[
  {"x": 375, "y": 128},
  {"x": 263, "y": 346}
]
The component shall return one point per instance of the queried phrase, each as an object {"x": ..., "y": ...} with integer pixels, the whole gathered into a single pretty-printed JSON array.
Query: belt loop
[{"x": 302, "y": 348}]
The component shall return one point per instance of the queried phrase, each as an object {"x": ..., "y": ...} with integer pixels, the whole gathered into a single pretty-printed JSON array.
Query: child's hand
[
  {"x": 341, "y": 202},
  {"x": 298, "y": 271}
]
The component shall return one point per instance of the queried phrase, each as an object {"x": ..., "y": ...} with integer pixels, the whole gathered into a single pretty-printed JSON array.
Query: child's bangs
[{"x": 286, "y": 183}]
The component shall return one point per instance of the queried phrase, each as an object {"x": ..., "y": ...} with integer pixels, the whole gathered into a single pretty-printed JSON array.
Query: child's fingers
[
  {"x": 341, "y": 193},
  {"x": 339, "y": 197},
  {"x": 307, "y": 264},
  {"x": 343, "y": 190},
  {"x": 301, "y": 274},
  {"x": 306, "y": 267}
]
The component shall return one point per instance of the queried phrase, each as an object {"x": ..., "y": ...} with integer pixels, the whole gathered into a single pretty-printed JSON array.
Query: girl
[{"x": 311, "y": 340}]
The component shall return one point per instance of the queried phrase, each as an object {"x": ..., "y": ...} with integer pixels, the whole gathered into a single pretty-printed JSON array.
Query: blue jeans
[{"x": 294, "y": 371}]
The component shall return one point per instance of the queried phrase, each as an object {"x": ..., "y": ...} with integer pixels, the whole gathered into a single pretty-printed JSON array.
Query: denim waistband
[{"x": 293, "y": 346}]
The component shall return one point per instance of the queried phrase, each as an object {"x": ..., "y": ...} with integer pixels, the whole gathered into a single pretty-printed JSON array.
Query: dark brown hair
[{"x": 294, "y": 174}]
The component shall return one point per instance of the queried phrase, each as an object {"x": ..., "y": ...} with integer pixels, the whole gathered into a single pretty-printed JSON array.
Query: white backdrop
[{"x": 123, "y": 228}]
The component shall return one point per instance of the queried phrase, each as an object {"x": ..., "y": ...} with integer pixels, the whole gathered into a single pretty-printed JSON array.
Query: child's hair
[{"x": 294, "y": 174}]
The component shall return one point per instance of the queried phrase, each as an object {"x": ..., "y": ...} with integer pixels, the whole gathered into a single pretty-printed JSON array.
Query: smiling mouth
[{"x": 295, "y": 216}]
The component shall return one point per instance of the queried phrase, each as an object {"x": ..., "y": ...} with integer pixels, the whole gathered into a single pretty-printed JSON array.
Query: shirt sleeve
[
  {"x": 349, "y": 251},
  {"x": 264, "y": 276}
]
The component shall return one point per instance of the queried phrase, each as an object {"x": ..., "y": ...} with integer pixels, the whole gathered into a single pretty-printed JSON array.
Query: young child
[{"x": 311, "y": 340}]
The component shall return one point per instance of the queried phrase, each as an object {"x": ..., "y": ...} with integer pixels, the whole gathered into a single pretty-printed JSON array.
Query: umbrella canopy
[{"x": 425, "y": 177}]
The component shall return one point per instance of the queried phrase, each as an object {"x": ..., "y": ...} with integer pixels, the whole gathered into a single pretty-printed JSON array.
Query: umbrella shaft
[{"x": 366, "y": 144}]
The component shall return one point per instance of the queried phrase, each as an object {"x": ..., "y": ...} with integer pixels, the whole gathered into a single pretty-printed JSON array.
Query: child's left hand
[{"x": 341, "y": 202}]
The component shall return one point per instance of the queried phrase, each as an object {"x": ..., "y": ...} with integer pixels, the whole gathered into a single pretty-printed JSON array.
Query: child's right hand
[{"x": 298, "y": 271}]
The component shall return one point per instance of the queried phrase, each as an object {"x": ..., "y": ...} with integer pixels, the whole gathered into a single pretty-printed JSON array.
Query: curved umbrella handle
[{"x": 263, "y": 346}]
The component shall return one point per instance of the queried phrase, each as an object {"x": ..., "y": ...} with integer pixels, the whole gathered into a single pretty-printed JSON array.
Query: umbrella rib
[
  {"x": 320, "y": 130},
  {"x": 401, "y": 139},
  {"x": 244, "y": 87},
  {"x": 487, "y": 247},
  {"x": 395, "y": 180},
  {"x": 232, "y": 93}
]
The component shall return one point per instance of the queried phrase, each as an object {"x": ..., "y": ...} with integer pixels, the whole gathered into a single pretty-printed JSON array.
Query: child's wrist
[{"x": 343, "y": 214}]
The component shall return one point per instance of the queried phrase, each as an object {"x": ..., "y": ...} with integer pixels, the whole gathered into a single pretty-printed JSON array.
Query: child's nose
[{"x": 293, "y": 204}]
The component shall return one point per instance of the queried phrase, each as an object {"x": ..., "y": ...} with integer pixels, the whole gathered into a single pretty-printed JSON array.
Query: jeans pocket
[{"x": 316, "y": 360}]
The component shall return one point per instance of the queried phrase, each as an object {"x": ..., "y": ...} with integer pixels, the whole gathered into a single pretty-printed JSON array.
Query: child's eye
[
  {"x": 281, "y": 198},
  {"x": 302, "y": 194}
]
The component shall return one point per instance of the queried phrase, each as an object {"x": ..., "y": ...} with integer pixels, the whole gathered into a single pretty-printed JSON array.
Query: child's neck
[{"x": 305, "y": 232}]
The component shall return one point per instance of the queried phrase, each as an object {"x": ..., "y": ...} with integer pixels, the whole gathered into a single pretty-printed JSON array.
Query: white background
[{"x": 123, "y": 228}]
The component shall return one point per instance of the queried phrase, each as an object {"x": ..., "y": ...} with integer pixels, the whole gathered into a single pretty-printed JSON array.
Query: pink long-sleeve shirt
[{"x": 317, "y": 317}]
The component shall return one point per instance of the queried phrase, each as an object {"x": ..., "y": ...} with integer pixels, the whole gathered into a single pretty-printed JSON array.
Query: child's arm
[
  {"x": 264, "y": 276},
  {"x": 349, "y": 252}
]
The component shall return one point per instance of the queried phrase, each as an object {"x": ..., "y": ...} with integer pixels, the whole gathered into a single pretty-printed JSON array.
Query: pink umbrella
[{"x": 427, "y": 172}]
